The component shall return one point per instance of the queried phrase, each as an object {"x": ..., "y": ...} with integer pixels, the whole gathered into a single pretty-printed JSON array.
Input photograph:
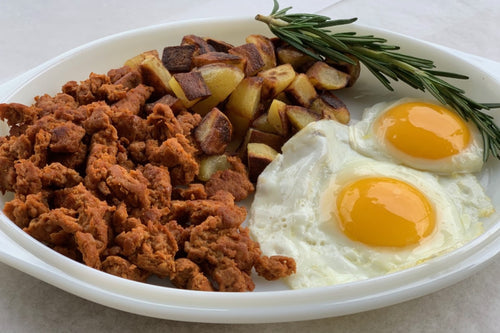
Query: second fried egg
[
  {"x": 346, "y": 217},
  {"x": 421, "y": 134}
]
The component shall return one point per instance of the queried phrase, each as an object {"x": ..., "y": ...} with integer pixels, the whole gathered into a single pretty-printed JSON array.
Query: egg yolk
[
  {"x": 423, "y": 130},
  {"x": 383, "y": 211}
]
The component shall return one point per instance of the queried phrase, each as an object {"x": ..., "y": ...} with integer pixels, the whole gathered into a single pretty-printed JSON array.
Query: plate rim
[{"x": 225, "y": 312}]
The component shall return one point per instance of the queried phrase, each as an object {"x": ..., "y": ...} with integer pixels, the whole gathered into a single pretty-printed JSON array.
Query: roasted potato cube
[
  {"x": 331, "y": 107},
  {"x": 283, "y": 96},
  {"x": 300, "y": 116},
  {"x": 179, "y": 93},
  {"x": 189, "y": 87},
  {"x": 211, "y": 164},
  {"x": 213, "y": 57},
  {"x": 302, "y": 90},
  {"x": 325, "y": 77},
  {"x": 154, "y": 74},
  {"x": 254, "y": 61},
  {"x": 254, "y": 135},
  {"x": 266, "y": 49},
  {"x": 288, "y": 54},
  {"x": 175, "y": 104},
  {"x": 261, "y": 124},
  {"x": 214, "y": 132},
  {"x": 178, "y": 58},
  {"x": 201, "y": 44},
  {"x": 259, "y": 155},
  {"x": 240, "y": 126},
  {"x": 219, "y": 45},
  {"x": 136, "y": 61},
  {"x": 221, "y": 80},
  {"x": 276, "y": 80},
  {"x": 245, "y": 99},
  {"x": 352, "y": 69},
  {"x": 277, "y": 118}
]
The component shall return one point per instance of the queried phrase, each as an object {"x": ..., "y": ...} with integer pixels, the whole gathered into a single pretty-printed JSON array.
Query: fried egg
[
  {"x": 346, "y": 217},
  {"x": 420, "y": 134}
]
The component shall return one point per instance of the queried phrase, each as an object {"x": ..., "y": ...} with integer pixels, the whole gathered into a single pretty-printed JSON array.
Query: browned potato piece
[
  {"x": 154, "y": 74},
  {"x": 302, "y": 90},
  {"x": 178, "y": 58},
  {"x": 211, "y": 164},
  {"x": 277, "y": 118},
  {"x": 254, "y": 135},
  {"x": 325, "y": 77},
  {"x": 219, "y": 45},
  {"x": 254, "y": 61},
  {"x": 266, "y": 49},
  {"x": 352, "y": 70},
  {"x": 288, "y": 54},
  {"x": 331, "y": 107},
  {"x": 240, "y": 127},
  {"x": 136, "y": 61},
  {"x": 221, "y": 80},
  {"x": 201, "y": 44},
  {"x": 262, "y": 124},
  {"x": 259, "y": 155},
  {"x": 189, "y": 87},
  {"x": 222, "y": 57},
  {"x": 214, "y": 132},
  {"x": 283, "y": 96},
  {"x": 300, "y": 116},
  {"x": 276, "y": 80},
  {"x": 175, "y": 104},
  {"x": 245, "y": 99}
]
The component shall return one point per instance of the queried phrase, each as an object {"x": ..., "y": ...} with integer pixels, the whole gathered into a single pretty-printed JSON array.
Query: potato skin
[
  {"x": 262, "y": 91},
  {"x": 221, "y": 79},
  {"x": 258, "y": 157},
  {"x": 214, "y": 132}
]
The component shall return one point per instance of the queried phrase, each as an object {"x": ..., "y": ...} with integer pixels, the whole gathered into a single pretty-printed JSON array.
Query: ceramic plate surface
[{"x": 271, "y": 301}]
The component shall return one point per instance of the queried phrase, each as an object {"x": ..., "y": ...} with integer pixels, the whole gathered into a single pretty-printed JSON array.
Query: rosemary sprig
[{"x": 310, "y": 34}]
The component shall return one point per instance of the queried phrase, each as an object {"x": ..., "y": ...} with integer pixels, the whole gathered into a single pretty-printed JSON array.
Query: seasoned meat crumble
[{"x": 105, "y": 173}]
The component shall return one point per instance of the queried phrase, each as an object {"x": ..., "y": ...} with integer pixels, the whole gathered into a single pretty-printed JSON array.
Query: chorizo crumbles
[{"x": 105, "y": 172}]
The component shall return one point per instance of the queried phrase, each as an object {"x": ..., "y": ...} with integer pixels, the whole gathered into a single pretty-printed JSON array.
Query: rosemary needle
[{"x": 309, "y": 34}]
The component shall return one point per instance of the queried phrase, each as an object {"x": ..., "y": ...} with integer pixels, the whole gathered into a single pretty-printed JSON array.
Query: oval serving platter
[{"x": 271, "y": 301}]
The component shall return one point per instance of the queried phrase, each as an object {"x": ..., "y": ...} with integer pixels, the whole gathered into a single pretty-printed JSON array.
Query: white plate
[{"x": 271, "y": 301}]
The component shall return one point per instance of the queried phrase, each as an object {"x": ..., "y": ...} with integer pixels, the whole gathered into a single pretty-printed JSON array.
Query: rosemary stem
[
  {"x": 307, "y": 33},
  {"x": 269, "y": 20},
  {"x": 385, "y": 58}
]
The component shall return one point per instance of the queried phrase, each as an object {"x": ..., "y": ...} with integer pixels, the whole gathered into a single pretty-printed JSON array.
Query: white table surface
[{"x": 32, "y": 32}]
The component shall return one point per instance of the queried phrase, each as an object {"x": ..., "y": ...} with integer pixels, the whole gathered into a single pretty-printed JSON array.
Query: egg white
[
  {"x": 364, "y": 140},
  {"x": 292, "y": 212}
]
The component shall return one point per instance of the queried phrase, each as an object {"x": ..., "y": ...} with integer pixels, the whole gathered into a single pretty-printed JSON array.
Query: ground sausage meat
[{"x": 105, "y": 173}]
